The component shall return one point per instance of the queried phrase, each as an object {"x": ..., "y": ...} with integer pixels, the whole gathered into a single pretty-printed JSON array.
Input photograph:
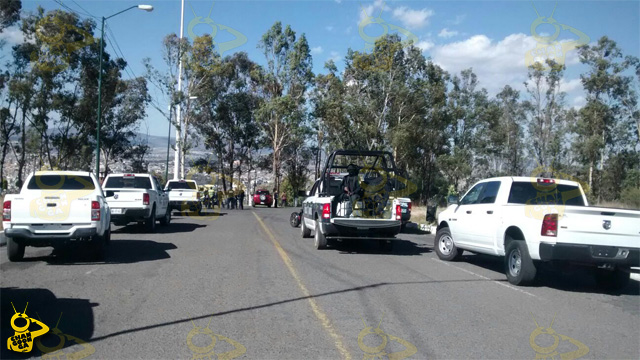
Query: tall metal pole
[
  {"x": 166, "y": 167},
  {"x": 99, "y": 102},
  {"x": 176, "y": 166}
]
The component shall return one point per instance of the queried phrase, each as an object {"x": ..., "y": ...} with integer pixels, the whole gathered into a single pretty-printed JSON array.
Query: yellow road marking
[{"x": 324, "y": 319}]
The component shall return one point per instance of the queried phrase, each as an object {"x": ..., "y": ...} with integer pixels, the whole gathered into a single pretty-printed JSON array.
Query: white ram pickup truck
[
  {"x": 136, "y": 198},
  {"x": 55, "y": 208},
  {"x": 534, "y": 220},
  {"x": 183, "y": 195}
]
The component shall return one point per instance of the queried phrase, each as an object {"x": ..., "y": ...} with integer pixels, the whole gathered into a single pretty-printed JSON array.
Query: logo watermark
[
  {"x": 57, "y": 352},
  {"x": 381, "y": 351},
  {"x": 22, "y": 339},
  {"x": 551, "y": 351},
  {"x": 385, "y": 61},
  {"x": 548, "y": 199},
  {"x": 208, "y": 351},
  {"x": 548, "y": 48},
  {"x": 222, "y": 47}
]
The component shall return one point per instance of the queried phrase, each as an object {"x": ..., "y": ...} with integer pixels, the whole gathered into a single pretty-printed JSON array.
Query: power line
[{"x": 121, "y": 53}]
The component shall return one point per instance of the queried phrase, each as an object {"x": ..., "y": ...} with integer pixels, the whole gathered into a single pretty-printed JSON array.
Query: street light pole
[
  {"x": 178, "y": 155},
  {"x": 166, "y": 167},
  {"x": 141, "y": 7}
]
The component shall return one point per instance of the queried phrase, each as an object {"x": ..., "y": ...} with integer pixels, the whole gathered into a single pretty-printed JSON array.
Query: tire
[
  {"x": 306, "y": 232},
  {"x": 166, "y": 220},
  {"x": 99, "y": 245},
  {"x": 616, "y": 279},
  {"x": 385, "y": 246},
  {"x": 294, "y": 220},
  {"x": 15, "y": 251},
  {"x": 150, "y": 223},
  {"x": 319, "y": 240},
  {"x": 445, "y": 247},
  {"x": 519, "y": 267}
]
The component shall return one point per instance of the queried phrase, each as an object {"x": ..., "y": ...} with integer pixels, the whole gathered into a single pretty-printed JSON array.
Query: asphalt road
[{"x": 248, "y": 280}]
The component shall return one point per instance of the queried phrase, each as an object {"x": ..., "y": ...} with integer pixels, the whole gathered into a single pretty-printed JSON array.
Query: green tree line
[{"x": 444, "y": 129}]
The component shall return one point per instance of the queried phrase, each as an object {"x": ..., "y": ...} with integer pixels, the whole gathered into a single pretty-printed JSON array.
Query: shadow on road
[
  {"x": 412, "y": 228},
  {"x": 195, "y": 215},
  {"x": 563, "y": 278},
  {"x": 368, "y": 247},
  {"x": 118, "y": 252},
  {"x": 70, "y": 322},
  {"x": 257, "y": 307},
  {"x": 170, "y": 229}
]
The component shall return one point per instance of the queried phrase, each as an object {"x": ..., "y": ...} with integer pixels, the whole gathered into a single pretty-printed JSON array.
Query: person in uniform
[
  {"x": 241, "y": 199},
  {"x": 351, "y": 187}
]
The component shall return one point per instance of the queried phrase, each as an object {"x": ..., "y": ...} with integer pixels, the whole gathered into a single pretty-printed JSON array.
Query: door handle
[
  {"x": 489, "y": 211},
  {"x": 468, "y": 211}
]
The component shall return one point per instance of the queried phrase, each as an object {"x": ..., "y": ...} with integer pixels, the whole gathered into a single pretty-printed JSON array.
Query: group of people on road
[{"x": 230, "y": 199}]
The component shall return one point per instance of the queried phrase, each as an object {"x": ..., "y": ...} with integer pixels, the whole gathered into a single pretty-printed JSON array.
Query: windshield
[
  {"x": 529, "y": 193},
  {"x": 60, "y": 182},
  {"x": 120, "y": 182},
  {"x": 186, "y": 185}
]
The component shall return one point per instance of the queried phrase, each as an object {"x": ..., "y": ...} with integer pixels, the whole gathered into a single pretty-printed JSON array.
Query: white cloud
[
  {"x": 497, "y": 63},
  {"x": 571, "y": 85},
  {"x": 412, "y": 19},
  {"x": 458, "y": 19},
  {"x": 317, "y": 50},
  {"x": 12, "y": 35},
  {"x": 425, "y": 45},
  {"x": 446, "y": 33},
  {"x": 578, "y": 102},
  {"x": 370, "y": 10},
  {"x": 335, "y": 56}
]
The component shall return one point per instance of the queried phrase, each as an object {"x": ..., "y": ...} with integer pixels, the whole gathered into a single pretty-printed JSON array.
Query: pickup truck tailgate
[
  {"x": 124, "y": 197},
  {"x": 183, "y": 195},
  {"x": 52, "y": 207},
  {"x": 599, "y": 226}
]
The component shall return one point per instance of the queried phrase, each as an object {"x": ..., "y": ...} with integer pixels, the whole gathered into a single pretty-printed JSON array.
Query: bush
[{"x": 631, "y": 197}]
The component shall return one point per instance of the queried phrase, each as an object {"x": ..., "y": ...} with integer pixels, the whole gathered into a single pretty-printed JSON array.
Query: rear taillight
[
  {"x": 550, "y": 225},
  {"x": 145, "y": 199},
  {"x": 95, "y": 211},
  {"x": 409, "y": 207},
  {"x": 398, "y": 212},
  {"x": 326, "y": 211},
  {"x": 6, "y": 211}
]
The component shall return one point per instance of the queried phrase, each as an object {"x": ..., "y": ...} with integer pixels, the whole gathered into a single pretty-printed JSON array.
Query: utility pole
[{"x": 176, "y": 166}]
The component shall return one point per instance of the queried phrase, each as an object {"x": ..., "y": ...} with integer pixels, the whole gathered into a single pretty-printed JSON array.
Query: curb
[{"x": 3, "y": 240}]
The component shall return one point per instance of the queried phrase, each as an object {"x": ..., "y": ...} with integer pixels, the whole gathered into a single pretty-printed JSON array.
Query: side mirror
[
  {"x": 307, "y": 193},
  {"x": 109, "y": 193},
  {"x": 452, "y": 199}
]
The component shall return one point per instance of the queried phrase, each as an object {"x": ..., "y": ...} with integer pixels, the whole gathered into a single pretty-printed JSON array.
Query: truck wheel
[
  {"x": 445, "y": 248},
  {"x": 99, "y": 245},
  {"x": 306, "y": 232},
  {"x": 385, "y": 245},
  {"x": 616, "y": 279},
  {"x": 166, "y": 219},
  {"x": 294, "y": 220},
  {"x": 150, "y": 223},
  {"x": 15, "y": 251},
  {"x": 519, "y": 267},
  {"x": 319, "y": 240}
]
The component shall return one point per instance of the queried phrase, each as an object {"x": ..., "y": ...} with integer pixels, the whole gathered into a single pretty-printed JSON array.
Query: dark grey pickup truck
[{"x": 375, "y": 212}]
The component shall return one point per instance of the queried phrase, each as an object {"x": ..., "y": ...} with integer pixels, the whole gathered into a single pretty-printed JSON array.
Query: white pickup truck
[
  {"x": 534, "y": 220},
  {"x": 136, "y": 198},
  {"x": 55, "y": 208},
  {"x": 183, "y": 195}
]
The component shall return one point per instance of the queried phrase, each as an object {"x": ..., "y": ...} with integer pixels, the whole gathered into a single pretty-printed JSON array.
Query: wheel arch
[
  {"x": 512, "y": 233},
  {"x": 442, "y": 225}
]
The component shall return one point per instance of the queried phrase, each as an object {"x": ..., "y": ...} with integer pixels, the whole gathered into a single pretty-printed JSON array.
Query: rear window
[
  {"x": 557, "y": 194},
  {"x": 182, "y": 185},
  {"x": 262, "y": 192},
  {"x": 119, "y": 182},
  {"x": 60, "y": 182}
]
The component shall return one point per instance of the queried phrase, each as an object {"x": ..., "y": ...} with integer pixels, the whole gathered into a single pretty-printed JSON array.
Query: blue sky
[{"x": 489, "y": 36}]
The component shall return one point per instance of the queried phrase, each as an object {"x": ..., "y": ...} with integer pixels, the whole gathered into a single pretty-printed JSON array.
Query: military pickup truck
[{"x": 374, "y": 213}]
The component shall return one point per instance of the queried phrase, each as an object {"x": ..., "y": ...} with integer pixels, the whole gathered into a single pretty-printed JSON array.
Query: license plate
[
  {"x": 116, "y": 211},
  {"x": 404, "y": 211}
]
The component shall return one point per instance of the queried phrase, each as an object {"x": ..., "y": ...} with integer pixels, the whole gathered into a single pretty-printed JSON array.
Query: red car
[{"x": 262, "y": 197}]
